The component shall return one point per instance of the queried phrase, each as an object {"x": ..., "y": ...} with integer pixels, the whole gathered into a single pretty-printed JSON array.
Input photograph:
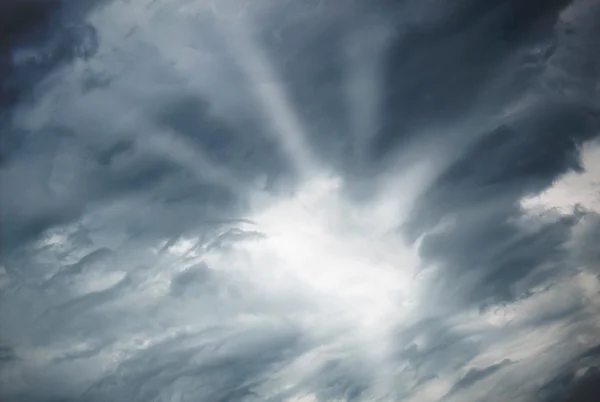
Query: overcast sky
[{"x": 299, "y": 200}]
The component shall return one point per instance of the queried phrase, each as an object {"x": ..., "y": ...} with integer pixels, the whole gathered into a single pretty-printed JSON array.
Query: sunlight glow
[{"x": 342, "y": 253}]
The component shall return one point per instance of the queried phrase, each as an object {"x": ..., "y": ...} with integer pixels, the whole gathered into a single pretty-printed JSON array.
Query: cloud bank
[{"x": 299, "y": 201}]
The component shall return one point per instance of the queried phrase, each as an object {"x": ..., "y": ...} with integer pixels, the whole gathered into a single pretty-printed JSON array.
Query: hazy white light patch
[
  {"x": 182, "y": 247},
  {"x": 99, "y": 281},
  {"x": 431, "y": 391},
  {"x": 573, "y": 189},
  {"x": 401, "y": 186},
  {"x": 53, "y": 239},
  {"x": 307, "y": 398},
  {"x": 321, "y": 262},
  {"x": 336, "y": 249}
]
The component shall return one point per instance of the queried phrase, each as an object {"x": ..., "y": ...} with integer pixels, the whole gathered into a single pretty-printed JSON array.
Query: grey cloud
[
  {"x": 523, "y": 155},
  {"x": 342, "y": 379},
  {"x": 187, "y": 279},
  {"x": 201, "y": 370},
  {"x": 138, "y": 262},
  {"x": 452, "y": 60},
  {"x": 38, "y": 37},
  {"x": 474, "y": 375},
  {"x": 493, "y": 264},
  {"x": 578, "y": 381},
  {"x": 584, "y": 240},
  {"x": 238, "y": 145}
]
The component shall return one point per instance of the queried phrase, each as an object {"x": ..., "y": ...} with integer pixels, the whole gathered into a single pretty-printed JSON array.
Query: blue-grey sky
[{"x": 299, "y": 201}]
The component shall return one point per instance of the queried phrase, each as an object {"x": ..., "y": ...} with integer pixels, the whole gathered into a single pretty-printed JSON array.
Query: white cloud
[{"x": 573, "y": 189}]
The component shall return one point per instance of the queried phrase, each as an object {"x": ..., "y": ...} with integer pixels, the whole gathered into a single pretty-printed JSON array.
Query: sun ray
[
  {"x": 363, "y": 54},
  {"x": 285, "y": 125},
  {"x": 175, "y": 148},
  {"x": 198, "y": 163}
]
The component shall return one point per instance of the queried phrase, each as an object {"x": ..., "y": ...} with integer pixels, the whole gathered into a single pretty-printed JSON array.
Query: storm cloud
[{"x": 299, "y": 200}]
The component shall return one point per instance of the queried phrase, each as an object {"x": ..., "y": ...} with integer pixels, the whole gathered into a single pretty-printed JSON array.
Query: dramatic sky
[{"x": 299, "y": 200}]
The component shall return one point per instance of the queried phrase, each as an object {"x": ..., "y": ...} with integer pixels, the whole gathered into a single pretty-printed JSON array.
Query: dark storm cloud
[
  {"x": 451, "y": 59},
  {"x": 577, "y": 383},
  {"x": 37, "y": 37},
  {"x": 131, "y": 268},
  {"x": 17, "y": 19},
  {"x": 483, "y": 187}
]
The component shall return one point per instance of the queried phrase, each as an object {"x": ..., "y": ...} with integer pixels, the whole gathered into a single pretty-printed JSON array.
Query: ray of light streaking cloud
[
  {"x": 299, "y": 201},
  {"x": 282, "y": 120},
  {"x": 364, "y": 53}
]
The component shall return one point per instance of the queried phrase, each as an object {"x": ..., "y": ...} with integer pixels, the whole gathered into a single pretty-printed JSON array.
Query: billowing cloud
[{"x": 299, "y": 201}]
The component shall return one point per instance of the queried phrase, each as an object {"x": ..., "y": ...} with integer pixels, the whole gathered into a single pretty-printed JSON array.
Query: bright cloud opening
[{"x": 343, "y": 256}]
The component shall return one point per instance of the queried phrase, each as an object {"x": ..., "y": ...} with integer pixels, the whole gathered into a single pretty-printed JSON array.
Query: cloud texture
[{"x": 299, "y": 200}]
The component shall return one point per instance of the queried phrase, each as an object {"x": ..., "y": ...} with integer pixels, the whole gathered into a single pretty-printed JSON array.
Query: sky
[{"x": 299, "y": 201}]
